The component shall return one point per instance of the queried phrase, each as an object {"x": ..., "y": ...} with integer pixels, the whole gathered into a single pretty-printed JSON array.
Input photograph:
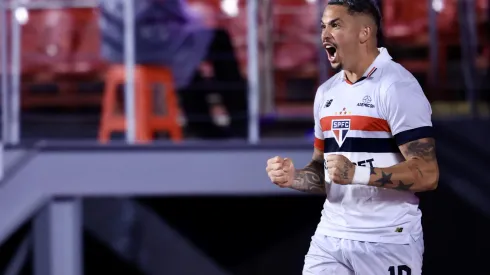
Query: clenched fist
[
  {"x": 340, "y": 169},
  {"x": 280, "y": 171}
]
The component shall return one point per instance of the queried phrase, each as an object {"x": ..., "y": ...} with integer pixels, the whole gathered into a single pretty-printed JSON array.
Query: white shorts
[{"x": 329, "y": 255}]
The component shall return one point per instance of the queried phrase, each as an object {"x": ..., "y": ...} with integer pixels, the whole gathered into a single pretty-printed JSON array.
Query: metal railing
[
  {"x": 11, "y": 80},
  {"x": 69, "y": 248}
]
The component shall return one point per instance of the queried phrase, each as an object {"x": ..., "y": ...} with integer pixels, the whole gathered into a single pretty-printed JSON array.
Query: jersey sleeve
[
  {"x": 318, "y": 144},
  {"x": 407, "y": 111}
]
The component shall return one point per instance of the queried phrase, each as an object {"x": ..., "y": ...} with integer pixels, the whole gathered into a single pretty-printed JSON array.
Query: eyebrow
[{"x": 331, "y": 21}]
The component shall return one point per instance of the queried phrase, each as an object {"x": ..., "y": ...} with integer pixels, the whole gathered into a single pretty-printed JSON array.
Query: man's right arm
[{"x": 311, "y": 179}]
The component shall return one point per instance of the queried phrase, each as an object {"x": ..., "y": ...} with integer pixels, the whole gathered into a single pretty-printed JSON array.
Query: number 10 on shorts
[{"x": 402, "y": 270}]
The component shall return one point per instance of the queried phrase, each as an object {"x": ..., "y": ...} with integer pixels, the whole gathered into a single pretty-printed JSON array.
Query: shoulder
[
  {"x": 396, "y": 79},
  {"x": 329, "y": 84},
  {"x": 325, "y": 88}
]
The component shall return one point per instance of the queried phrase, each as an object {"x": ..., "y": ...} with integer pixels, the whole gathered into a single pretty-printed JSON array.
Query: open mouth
[{"x": 331, "y": 51}]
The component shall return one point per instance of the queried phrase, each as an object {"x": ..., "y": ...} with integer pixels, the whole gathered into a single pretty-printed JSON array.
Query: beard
[{"x": 337, "y": 68}]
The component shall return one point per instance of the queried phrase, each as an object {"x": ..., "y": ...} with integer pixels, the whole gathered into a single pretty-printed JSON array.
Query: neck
[{"x": 358, "y": 69}]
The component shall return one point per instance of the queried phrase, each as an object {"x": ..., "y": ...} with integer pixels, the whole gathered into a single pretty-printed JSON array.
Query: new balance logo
[{"x": 328, "y": 103}]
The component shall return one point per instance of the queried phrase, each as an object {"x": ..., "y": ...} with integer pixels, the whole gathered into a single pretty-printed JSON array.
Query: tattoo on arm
[
  {"x": 385, "y": 181},
  {"x": 345, "y": 172},
  {"x": 403, "y": 187},
  {"x": 423, "y": 149},
  {"x": 420, "y": 154},
  {"x": 311, "y": 179},
  {"x": 372, "y": 171}
]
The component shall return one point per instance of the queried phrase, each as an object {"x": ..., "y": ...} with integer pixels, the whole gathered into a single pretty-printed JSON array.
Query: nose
[{"x": 325, "y": 34}]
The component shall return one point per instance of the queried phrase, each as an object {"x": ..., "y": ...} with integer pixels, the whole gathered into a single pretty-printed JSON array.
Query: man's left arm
[{"x": 419, "y": 172}]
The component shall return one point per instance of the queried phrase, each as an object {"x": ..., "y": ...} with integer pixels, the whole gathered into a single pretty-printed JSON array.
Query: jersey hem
[{"x": 404, "y": 239}]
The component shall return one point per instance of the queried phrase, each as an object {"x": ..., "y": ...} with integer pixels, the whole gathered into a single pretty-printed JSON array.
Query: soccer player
[{"x": 373, "y": 150}]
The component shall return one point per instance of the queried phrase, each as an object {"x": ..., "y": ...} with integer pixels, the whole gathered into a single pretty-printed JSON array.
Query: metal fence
[
  {"x": 261, "y": 44},
  {"x": 11, "y": 62}
]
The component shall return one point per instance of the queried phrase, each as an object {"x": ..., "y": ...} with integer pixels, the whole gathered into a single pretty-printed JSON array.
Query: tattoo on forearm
[
  {"x": 373, "y": 172},
  {"x": 384, "y": 180},
  {"x": 403, "y": 187},
  {"x": 345, "y": 172},
  {"x": 311, "y": 179},
  {"x": 424, "y": 149}
]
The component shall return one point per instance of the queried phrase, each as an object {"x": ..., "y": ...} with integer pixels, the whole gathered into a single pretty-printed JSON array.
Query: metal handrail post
[
  {"x": 129, "y": 61},
  {"x": 253, "y": 71}
]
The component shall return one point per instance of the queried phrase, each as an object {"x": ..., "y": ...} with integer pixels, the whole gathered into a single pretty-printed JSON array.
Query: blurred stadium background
[{"x": 182, "y": 188}]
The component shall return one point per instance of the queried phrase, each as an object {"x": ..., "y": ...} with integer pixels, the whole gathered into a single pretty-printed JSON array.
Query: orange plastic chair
[{"x": 147, "y": 122}]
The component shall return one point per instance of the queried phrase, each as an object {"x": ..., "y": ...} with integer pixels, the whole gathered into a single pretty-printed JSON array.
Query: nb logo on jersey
[
  {"x": 340, "y": 128},
  {"x": 328, "y": 103}
]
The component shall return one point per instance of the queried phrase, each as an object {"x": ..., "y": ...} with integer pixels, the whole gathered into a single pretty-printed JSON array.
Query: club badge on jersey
[{"x": 340, "y": 128}]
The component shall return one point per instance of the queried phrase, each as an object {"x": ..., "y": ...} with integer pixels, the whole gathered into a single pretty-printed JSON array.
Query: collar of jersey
[{"x": 378, "y": 62}]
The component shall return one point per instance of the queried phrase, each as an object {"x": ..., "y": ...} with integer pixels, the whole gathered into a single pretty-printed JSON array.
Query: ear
[{"x": 365, "y": 33}]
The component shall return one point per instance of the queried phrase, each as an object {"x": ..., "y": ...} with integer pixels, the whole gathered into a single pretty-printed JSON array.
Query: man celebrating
[{"x": 373, "y": 149}]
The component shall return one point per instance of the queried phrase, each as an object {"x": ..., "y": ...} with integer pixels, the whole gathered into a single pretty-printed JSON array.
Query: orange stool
[{"x": 146, "y": 121}]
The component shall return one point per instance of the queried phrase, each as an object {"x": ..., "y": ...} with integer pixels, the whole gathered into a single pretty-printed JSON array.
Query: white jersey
[{"x": 366, "y": 121}]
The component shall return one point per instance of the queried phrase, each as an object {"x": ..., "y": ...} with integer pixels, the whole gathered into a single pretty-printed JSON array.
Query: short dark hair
[{"x": 369, "y": 7}]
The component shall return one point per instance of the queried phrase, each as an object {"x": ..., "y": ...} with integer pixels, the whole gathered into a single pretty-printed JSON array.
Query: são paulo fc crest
[{"x": 340, "y": 128}]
